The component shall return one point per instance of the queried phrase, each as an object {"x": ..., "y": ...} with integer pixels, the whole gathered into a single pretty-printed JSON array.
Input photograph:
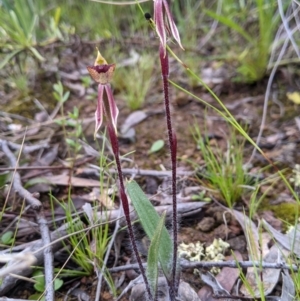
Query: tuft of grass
[
  {"x": 256, "y": 23},
  {"x": 24, "y": 26},
  {"x": 135, "y": 81},
  {"x": 116, "y": 21},
  {"x": 224, "y": 171}
]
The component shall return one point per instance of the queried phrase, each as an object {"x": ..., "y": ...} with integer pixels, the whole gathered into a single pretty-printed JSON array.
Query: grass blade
[{"x": 230, "y": 23}]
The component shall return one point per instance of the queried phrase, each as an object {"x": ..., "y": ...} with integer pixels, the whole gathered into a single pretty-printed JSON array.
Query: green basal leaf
[
  {"x": 156, "y": 146},
  {"x": 39, "y": 277},
  {"x": 58, "y": 283},
  {"x": 36, "y": 296},
  {"x": 152, "y": 262},
  {"x": 7, "y": 237},
  {"x": 149, "y": 219},
  {"x": 35, "y": 181}
]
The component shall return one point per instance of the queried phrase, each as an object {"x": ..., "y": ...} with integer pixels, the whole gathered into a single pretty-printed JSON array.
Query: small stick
[
  {"x": 48, "y": 255},
  {"x": 210, "y": 264},
  {"x": 45, "y": 234},
  {"x": 17, "y": 184},
  {"x": 128, "y": 171},
  {"x": 9, "y": 299},
  {"x": 104, "y": 264}
]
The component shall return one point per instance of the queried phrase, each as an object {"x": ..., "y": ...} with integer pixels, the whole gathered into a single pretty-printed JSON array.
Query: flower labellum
[{"x": 102, "y": 73}]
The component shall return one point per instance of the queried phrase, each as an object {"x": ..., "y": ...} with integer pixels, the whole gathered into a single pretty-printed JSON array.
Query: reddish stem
[
  {"x": 115, "y": 147},
  {"x": 164, "y": 61}
]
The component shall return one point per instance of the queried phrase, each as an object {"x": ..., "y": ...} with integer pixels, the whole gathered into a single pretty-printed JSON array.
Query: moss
[{"x": 287, "y": 212}]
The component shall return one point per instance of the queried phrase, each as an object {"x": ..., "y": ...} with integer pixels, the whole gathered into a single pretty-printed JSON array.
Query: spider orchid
[{"x": 102, "y": 73}]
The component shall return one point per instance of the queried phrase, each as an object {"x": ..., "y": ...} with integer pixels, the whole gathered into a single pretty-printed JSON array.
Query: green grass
[
  {"x": 24, "y": 26},
  {"x": 92, "y": 20},
  {"x": 256, "y": 23},
  {"x": 135, "y": 81},
  {"x": 223, "y": 170}
]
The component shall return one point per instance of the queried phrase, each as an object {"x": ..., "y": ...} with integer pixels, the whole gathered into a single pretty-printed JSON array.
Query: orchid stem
[
  {"x": 115, "y": 147},
  {"x": 173, "y": 151}
]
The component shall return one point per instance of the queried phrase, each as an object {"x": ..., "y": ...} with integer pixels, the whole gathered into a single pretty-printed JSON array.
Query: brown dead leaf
[
  {"x": 63, "y": 180},
  {"x": 288, "y": 287},
  {"x": 290, "y": 241},
  {"x": 185, "y": 291},
  {"x": 270, "y": 277},
  {"x": 103, "y": 198},
  {"x": 227, "y": 278},
  {"x": 258, "y": 250}
]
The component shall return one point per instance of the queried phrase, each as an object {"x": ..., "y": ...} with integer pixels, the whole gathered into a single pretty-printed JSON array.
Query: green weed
[
  {"x": 256, "y": 23},
  {"x": 24, "y": 26},
  {"x": 224, "y": 172},
  {"x": 134, "y": 82}
]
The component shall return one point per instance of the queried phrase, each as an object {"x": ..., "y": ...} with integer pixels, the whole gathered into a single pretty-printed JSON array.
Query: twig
[
  {"x": 26, "y": 149},
  {"x": 16, "y": 219},
  {"x": 287, "y": 29},
  {"x": 19, "y": 117},
  {"x": 267, "y": 95},
  {"x": 111, "y": 216},
  {"x": 37, "y": 206},
  {"x": 9, "y": 299},
  {"x": 37, "y": 248},
  {"x": 17, "y": 184},
  {"x": 48, "y": 256},
  {"x": 128, "y": 171},
  {"x": 111, "y": 243},
  {"x": 16, "y": 262},
  {"x": 210, "y": 264},
  {"x": 213, "y": 27}
]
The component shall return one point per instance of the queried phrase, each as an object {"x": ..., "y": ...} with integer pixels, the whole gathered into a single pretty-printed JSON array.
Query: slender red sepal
[
  {"x": 99, "y": 109},
  {"x": 111, "y": 108},
  {"x": 160, "y": 24},
  {"x": 173, "y": 27}
]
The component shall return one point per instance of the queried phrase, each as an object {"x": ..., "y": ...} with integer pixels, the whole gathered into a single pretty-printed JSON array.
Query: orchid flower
[
  {"x": 102, "y": 73},
  {"x": 162, "y": 10}
]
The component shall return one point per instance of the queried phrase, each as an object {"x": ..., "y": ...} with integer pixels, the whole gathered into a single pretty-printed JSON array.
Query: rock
[
  {"x": 185, "y": 292},
  {"x": 206, "y": 224}
]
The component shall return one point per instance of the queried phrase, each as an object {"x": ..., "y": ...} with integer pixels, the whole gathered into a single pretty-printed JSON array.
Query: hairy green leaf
[
  {"x": 152, "y": 262},
  {"x": 149, "y": 219},
  {"x": 156, "y": 146}
]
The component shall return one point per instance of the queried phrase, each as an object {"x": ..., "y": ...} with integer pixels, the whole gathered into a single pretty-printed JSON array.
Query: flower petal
[
  {"x": 110, "y": 107},
  {"x": 99, "y": 110},
  {"x": 159, "y": 23},
  {"x": 172, "y": 24},
  {"x": 100, "y": 60}
]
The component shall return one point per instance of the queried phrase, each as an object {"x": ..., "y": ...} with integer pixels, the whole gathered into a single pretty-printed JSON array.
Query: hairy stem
[
  {"x": 115, "y": 147},
  {"x": 164, "y": 61}
]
